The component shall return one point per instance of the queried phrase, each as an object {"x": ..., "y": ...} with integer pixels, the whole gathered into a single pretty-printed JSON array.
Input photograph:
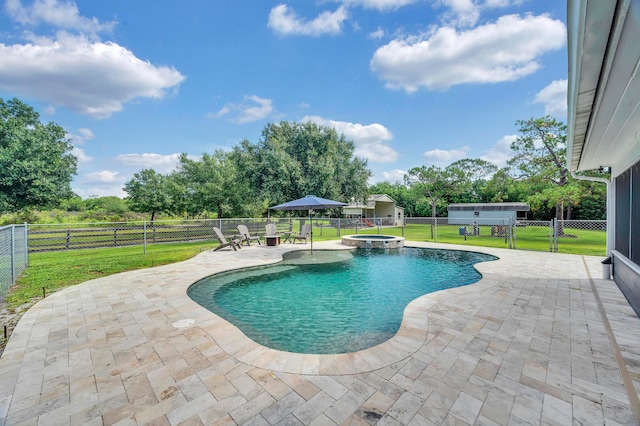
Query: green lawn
[
  {"x": 527, "y": 238},
  {"x": 58, "y": 269}
]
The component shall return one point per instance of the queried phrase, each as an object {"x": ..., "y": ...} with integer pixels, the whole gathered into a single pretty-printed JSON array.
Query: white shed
[
  {"x": 486, "y": 213},
  {"x": 379, "y": 209}
]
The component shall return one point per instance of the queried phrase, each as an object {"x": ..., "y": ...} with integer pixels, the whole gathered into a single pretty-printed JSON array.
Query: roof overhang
[{"x": 604, "y": 83}]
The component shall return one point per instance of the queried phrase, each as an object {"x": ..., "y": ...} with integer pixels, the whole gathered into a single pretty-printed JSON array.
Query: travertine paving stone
[{"x": 525, "y": 345}]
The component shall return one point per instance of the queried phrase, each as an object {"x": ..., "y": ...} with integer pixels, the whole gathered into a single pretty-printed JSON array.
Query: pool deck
[{"x": 541, "y": 339}]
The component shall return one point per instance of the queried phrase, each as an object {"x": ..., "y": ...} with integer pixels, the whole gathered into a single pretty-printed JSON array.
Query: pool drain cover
[{"x": 187, "y": 322}]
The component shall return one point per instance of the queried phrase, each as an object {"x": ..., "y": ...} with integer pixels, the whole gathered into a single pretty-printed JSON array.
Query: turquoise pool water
[{"x": 335, "y": 307}]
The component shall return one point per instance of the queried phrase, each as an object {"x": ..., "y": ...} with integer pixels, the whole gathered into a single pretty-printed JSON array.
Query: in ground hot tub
[{"x": 373, "y": 241}]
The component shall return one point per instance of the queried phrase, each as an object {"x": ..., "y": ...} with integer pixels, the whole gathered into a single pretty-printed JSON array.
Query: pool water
[{"x": 335, "y": 307}]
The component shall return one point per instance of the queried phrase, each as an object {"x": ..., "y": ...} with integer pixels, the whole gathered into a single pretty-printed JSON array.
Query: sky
[{"x": 410, "y": 82}]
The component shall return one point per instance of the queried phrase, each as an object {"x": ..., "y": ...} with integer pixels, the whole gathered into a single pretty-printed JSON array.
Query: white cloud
[
  {"x": 284, "y": 21},
  {"x": 380, "y": 5},
  {"x": 100, "y": 184},
  {"x": 554, "y": 98},
  {"x": 501, "y": 152},
  {"x": 76, "y": 71},
  {"x": 63, "y": 15},
  {"x": 501, "y": 3},
  {"x": 394, "y": 176},
  {"x": 369, "y": 140},
  {"x": 92, "y": 78},
  {"x": 82, "y": 157},
  {"x": 462, "y": 13},
  {"x": 445, "y": 157},
  {"x": 81, "y": 138},
  {"x": 506, "y": 50},
  {"x": 248, "y": 111},
  {"x": 104, "y": 176},
  {"x": 160, "y": 163},
  {"x": 465, "y": 13},
  {"x": 377, "y": 34}
]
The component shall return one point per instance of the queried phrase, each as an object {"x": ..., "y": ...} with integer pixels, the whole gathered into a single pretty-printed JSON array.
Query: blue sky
[{"x": 411, "y": 82}]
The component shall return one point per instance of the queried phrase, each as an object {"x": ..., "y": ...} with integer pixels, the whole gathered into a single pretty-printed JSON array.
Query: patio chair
[
  {"x": 304, "y": 234},
  {"x": 271, "y": 230},
  {"x": 223, "y": 241},
  {"x": 245, "y": 236}
]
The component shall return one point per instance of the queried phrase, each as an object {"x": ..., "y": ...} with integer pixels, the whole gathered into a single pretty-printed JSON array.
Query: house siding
[{"x": 626, "y": 256}]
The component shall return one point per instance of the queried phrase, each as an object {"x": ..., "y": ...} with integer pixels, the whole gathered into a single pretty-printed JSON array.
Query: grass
[
  {"x": 56, "y": 270},
  {"x": 535, "y": 238},
  {"x": 59, "y": 269}
]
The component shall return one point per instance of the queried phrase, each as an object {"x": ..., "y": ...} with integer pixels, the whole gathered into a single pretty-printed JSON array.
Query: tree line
[
  {"x": 289, "y": 161},
  {"x": 537, "y": 174}
]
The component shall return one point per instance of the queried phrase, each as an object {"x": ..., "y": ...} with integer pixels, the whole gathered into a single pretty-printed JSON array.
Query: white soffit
[
  {"x": 605, "y": 117},
  {"x": 589, "y": 25}
]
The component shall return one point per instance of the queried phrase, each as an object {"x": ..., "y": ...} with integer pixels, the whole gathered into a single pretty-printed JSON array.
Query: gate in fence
[{"x": 14, "y": 256}]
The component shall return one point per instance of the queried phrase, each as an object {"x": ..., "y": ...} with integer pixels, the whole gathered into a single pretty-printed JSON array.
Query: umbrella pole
[{"x": 311, "y": 228}]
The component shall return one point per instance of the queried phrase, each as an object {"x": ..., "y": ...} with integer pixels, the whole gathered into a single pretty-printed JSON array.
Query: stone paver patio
[{"x": 541, "y": 339}]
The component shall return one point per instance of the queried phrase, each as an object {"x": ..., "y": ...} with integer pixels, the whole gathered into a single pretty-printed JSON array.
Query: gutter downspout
[{"x": 609, "y": 206}]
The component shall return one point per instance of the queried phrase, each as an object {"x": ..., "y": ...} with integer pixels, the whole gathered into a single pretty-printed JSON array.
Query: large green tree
[
  {"x": 297, "y": 159},
  {"x": 36, "y": 163},
  {"x": 540, "y": 157},
  {"x": 148, "y": 192},
  {"x": 472, "y": 175},
  {"x": 435, "y": 183},
  {"x": 210, "y": 183}
]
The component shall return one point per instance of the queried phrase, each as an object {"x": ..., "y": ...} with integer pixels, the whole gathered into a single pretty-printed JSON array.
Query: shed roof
[
  {"x": 371, "y": 202},
  {"x": 519, "y": 207}
]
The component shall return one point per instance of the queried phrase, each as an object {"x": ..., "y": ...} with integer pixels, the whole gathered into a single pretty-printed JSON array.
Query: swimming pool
[{"x": 331, "y": 308}]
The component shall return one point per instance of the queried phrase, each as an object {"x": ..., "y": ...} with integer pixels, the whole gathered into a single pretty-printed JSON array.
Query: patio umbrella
[{"x": 310, "y": 202}]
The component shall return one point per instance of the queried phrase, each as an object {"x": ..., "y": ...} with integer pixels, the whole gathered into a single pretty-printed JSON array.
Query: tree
[
  {"x": 434, "y": 183},
  {"x": 208, "y": 184},
  {"x": 502, "y": 187},
  {"x": 148, "y": 193},
  {"x": 473, "y": 175},
  {"x": 400, "y": 193},
  {"x": 540, "y": 154},
  {"x": 36, "y": 163},
  {"x": 297, "y": 159}
]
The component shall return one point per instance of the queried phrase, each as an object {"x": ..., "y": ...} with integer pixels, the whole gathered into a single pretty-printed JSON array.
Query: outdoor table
[
  {"x": 272, "y": 240},
  {"x": 287, "y": 236}
]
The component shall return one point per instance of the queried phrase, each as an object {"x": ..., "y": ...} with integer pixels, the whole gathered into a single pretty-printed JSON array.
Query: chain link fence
[
  {"x": 14, "y": 256},
  {"x": 568, "y": 236},
  {"x": 524, "y": 234}
]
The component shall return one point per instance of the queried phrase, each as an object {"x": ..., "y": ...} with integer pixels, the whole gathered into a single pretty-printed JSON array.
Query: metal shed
[{"x": 486, "y": 213}]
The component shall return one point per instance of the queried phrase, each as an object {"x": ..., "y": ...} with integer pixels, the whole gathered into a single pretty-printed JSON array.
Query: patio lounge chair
[
  {"x": 245, "y": 236},
  {"x": 304, "y": 234},
  {"x": 223, "y": 241},
  {"x": 271, "y": 230}
]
